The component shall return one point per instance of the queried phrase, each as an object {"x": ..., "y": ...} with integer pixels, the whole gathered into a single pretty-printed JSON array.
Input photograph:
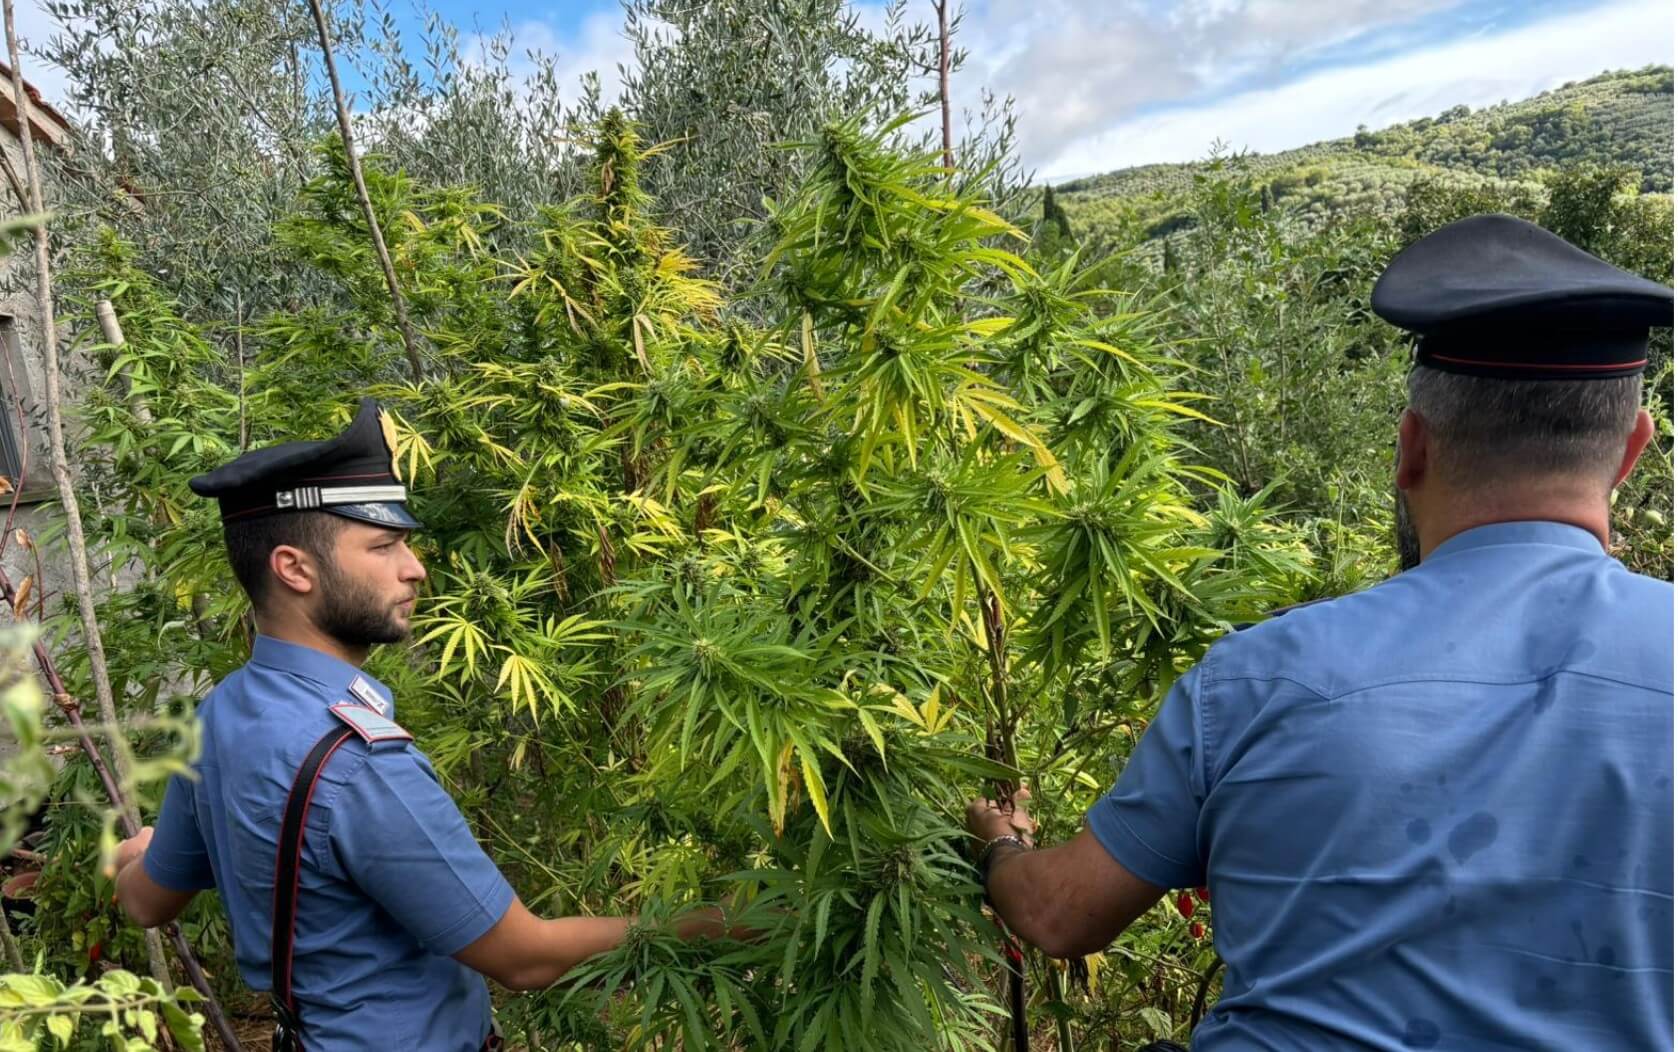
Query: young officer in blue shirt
[
  {"x": 1436, "y": 813},
  {"x": 398, "y": 912}
]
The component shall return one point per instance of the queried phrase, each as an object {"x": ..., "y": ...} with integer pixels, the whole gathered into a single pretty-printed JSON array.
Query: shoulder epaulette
[{"x": 371, "y": 726}]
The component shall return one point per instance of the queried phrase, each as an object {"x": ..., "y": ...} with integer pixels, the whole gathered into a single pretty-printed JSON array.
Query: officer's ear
[
  {"x": 294, "y": 568},
  {"x": 1636, "y": 442},
  {"x": 1413, "y": 452}
]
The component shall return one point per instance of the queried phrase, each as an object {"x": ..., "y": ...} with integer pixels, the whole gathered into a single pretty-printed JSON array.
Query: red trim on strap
[
  {"x": 1535, "y": 365},
  {"x": 297, "y": 876}
]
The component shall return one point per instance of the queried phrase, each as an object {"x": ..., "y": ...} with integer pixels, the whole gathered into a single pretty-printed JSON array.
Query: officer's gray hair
[{"x": 1512, "y": 430}]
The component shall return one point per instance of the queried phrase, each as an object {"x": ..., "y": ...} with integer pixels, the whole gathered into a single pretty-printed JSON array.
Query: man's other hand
[
  {"x": 132, "y": 848},
  {"x": 989, "y": 819}
]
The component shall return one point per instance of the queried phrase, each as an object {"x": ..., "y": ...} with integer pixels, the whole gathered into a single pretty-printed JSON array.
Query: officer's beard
[
  {"x": 1404, "y": 533},
  {"x": 354, "y": 614}
]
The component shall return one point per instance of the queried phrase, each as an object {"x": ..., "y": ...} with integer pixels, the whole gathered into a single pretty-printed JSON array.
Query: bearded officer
[
  {"x": 356, "y": 893},
  {"x": 1436, "y": 813}
]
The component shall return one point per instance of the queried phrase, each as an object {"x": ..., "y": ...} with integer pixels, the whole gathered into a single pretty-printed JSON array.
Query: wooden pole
[
  {"x": 943, "y": 9},
  {"x": 111, "y": 329},
  {"x": 397, "y": 302},
  {"x": 239, "y": 353},
  {"x": 129, "y": 815}
]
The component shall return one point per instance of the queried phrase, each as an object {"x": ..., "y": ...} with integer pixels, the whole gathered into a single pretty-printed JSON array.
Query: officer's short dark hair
[
  {"x": 251, "y": 541},
  {"x": 1495, "y": 429}
]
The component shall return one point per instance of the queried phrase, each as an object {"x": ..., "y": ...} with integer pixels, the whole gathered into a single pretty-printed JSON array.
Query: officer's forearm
[
  {"x": 525, "y": 952},
  {"x": 566, "y": 942},
  {"x": 147, "y": 902},
  {"x": 1017, "y": 898},
  {"x": 1068, "y": 900}
]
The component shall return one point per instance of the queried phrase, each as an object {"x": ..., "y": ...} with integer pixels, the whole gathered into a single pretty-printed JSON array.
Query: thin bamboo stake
[
  {"x": 379, "y": 248},
  {"x": 128, "y": 813},
  {"x": 239, "y": 352},
  {"x": 943, "y": 9},
  {"x": 111, "y": 329}
]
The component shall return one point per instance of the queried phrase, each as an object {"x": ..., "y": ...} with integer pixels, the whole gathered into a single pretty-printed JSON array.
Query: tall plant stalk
[
  {"x": 943, "y": 9},
  {"x": 398, "y": 304}
]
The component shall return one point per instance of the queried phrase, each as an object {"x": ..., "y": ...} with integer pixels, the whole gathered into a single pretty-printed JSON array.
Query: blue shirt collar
[
  {"x": 1499, "y": 533},
  {"x": 337, "y": 676}
]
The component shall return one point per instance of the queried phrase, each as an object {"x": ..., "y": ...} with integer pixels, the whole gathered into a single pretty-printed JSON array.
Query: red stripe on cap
[
  {"x": 334, "y": 478},
  {"x": 1534, "y": 365},
  {"x": 253, "y": 511}
]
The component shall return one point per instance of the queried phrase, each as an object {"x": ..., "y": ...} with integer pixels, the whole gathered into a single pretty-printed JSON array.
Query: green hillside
[{"x": 1620, "y": 120}]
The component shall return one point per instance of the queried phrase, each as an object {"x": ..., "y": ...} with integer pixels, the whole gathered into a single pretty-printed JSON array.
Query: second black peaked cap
[
  {"x": 352, "y": 475},
  {"x": 1494, "y": 295}
]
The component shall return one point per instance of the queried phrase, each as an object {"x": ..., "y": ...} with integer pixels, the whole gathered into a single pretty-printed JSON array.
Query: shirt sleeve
[
  {"x": 402, "y": 840},
  {"x": 177, "y": 857},
  {"x": 1148, "y": 821}
]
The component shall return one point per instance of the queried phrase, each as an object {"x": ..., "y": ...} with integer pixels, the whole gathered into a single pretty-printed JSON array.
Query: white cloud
[
  {"x": 1075, "y": 68},
  {"x": 1476, "y": 72},
  {"x": 599, "y": 47}
]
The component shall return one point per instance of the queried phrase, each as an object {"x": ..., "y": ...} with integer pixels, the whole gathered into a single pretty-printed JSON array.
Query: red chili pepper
[
  {"x": 1185, "y": 905},
  {"x": 1203, "y": 894},
  {"x": 1198, "y": 930},
  {"x": 94, "y": 952}
]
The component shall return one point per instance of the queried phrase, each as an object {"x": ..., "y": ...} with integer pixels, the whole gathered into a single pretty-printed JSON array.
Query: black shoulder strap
[{"x": 286, "y": 868}]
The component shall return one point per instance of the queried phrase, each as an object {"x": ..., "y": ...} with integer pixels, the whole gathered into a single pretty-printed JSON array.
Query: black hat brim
[{"x": 389, "y": 514}]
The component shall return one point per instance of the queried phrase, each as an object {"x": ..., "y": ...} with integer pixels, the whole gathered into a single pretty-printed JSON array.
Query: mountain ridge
[{"x": 1620, "y": 119}]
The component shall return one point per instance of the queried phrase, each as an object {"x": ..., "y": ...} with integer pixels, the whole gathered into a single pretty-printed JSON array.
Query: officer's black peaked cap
[
  {"x": 353, "y": 475},
  {"x": 1493, "y": 295}
]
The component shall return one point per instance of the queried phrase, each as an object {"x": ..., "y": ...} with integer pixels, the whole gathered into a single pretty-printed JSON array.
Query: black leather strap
[{"x": 288, "y": 1030}]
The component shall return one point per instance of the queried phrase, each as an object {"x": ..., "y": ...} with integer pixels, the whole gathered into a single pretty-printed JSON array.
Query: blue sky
[{"x": 1101, "y": 84}]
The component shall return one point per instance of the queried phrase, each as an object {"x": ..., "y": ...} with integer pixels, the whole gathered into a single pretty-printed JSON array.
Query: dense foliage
[
  {"x": 1270, "y": 308},
  {"x": 1261, "y": 266},
  {"x": 720, "y": 611},
  {"x": 748, "y": 566}
]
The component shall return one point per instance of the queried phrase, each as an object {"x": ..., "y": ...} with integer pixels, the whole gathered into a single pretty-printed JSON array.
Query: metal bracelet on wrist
[{"x": 988, "y": 854}]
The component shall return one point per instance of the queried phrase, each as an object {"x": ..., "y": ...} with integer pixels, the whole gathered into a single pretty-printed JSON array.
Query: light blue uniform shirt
[
  {"x": 1434, "y": 814},
  {"x": 392, "y": 881}
]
